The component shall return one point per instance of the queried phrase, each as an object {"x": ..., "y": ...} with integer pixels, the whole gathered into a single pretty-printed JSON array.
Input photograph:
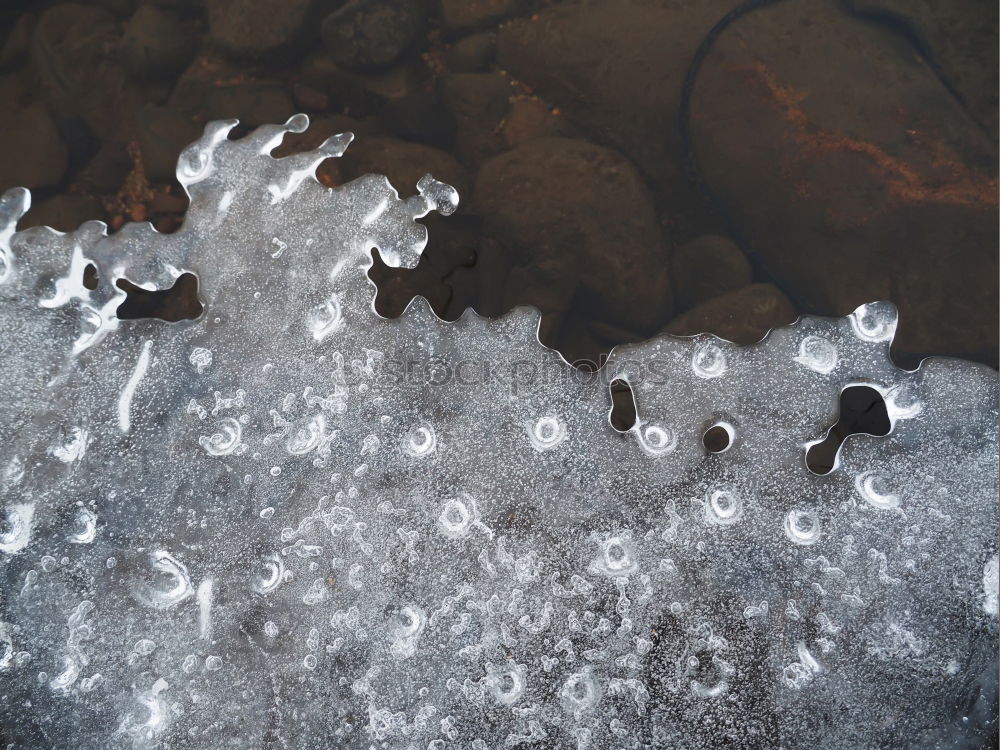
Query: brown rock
[
  {"x": 580, "y": 212},
  {"x": 162, "y": 134},
  {"x": 464, "y": 14},
  {"x": 73, "y": 54},
  {"x": 350, "y": 93},
  {"x": 615, "y": 68},
  {"x": 64, "y": 213},
  {"x": 309, "y": 99},
  {"x": 478, "y": 102},
  {"x": 532, "y": 118},
  {"x": 108, "y": 169},
  {"x": 206, "y": 72},
  {"x": 156, "y": 45},
  {"x": 15, "y": 47},
  {"x": 419, "y": 117},
  {"x": 36, "y": 156},
  {"x": 961, "y": 36},
  {"x": 853, "y": 173},
  {"x": 252, "y": 103},
  {"x": 262, "y": 28},
  {"x": 16, "y": 89},
  {"x": 707, "y": 267},
  {"x": 743, "y": 316},
  {"x": 404, "y": 163},
  {"x": 473, "y": 54},
  {"x": 367, "y": 35},
  {"x": 551, "y": 294}
]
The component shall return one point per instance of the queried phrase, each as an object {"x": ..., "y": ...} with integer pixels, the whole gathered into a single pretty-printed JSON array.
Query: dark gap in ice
[
  {"x": 862, "y": 412},
  {"x": 179, "y": 302},
  {"x": 716, "y": 438},
  {"x": 623, "y": 412},
  {"x": 90, "y": 277}
]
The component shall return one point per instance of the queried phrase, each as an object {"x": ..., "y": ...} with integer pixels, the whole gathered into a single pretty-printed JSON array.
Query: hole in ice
[
  {"x": 623, "y": 412},
  {"x": 718, "y": 438},
  {"x": 862, "y": 412},
  {"x": 90, "y": 277},
  {"x": 179, "y": 302}
]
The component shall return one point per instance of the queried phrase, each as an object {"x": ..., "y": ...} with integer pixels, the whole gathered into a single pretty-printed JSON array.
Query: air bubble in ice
[
  {"x": 802, "y": 527},
  {"x": 708, "y": 360},
  {"x": 163, "y": 583},
  {"x": 546, "y": 432},
  {"x": 818, "y": 354},
  {"x": 225, "y": 441},
  {"x": 420, "y": 441},
  {"x": 872, "y": 488},
  {"x": 723, "y": 506},
  {"x": 200, "y": 359}
]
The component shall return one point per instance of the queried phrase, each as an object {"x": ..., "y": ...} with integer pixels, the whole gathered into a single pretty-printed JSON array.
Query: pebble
[
  {"x": 367, "y": 35},
  {"x": 155, "y": 44},
  {"x": 253, "y": 29},
  {"x": 472, "y": 54},
  {"x": 464, "y": 14}
]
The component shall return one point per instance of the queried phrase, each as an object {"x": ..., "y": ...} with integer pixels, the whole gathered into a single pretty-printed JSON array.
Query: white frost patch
[
  {"x": 70, "y": 286},
  {"x": 125, "y": 399},
  {"x": 74, "y": 449},
  {"x": 374, "y": 215},
  {"x": 165, "y": 583},
  {"x": 204, "y": 597},
  {"x": 991, "y": 582},
  {"x": 16, "y": 531}
]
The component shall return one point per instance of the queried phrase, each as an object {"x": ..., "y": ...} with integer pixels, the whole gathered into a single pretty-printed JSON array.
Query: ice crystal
[{"x": 292, "y": 523}]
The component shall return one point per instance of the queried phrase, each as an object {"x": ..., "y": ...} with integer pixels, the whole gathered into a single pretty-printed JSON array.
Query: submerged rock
[
  {"x": 156, "y": 45},
  {"x": 64, "y": 212},
  {"x": 850, "y": 181},
  {"x": 472, "y": 54},
  {"x": 162, "y": 135},
  {"x": 419, "y": 117},
  {"x": 533, "y": 118},
  {"x": 404, "y": 163},
  {"x": 959, "y": 37},
  {"x": 73, "y": 54},
  {"x": 616, "y": 69},
  {"x": 36, "y": 155},
  {"x": 742, "y": 316},
  {"x": 16, "y": 41},
  {"x": 367, "y": 35},
  {"x": 465, "y": 14},
  {"x": 580, "y": 212},
  {"x": 478, "y": 102},
  {"x": 262, "y": 28},
  {"x": 707, "y": 267},
  {"x": 253, "y": 103}
]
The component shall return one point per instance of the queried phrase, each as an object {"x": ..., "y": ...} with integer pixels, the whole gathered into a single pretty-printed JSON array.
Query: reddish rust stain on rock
[{"x": 957, "y": 184}]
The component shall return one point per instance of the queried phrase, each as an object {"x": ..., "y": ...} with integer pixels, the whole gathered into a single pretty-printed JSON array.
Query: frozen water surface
[{"x": 292, "y": 523}]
